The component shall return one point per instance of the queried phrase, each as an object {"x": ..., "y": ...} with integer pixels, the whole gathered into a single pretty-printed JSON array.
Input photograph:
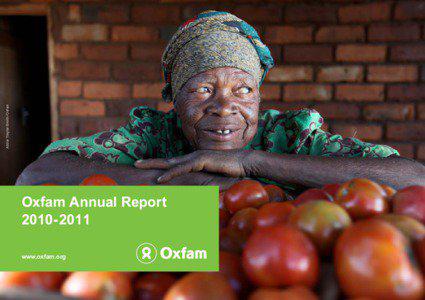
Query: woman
[{"x": 213, "y": 67}]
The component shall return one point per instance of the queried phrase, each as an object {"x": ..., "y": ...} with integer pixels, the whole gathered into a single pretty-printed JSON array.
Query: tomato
[
  {"x": 273, "y": 213},
  {"x": 49, "y": 183},
  {"x": 131, "y": 275},
  {"x": 245, "y": 193},
  {"x": 411, "y": 228},
  {"x": 371, "y": 260},
  {"x": 311, "y": 195},
  {"x": 49, "y": 281},
  {"x": 280, "y": 255},
  {"x": 205, "y": 286},
  {"x": 221, "y": 201},
  {"x": 419, "y": 247},
  {"x": 153, "y": 286},
  {"x": 322, "y": 221},
  {"x": 224, "y": 217},
  {"x": 290, "y": 293},
  {"x": 98, "y": 179},
  {"x": 232, "y": 240},
  {"x": 243, "y": 221},
  {"x": 389, "y": 191},
  {"x": 331, "y": 189},
  {"x": 276, "y": 194},
  {"x": 97, "y": 285},
  {"x": 362, "y": 198},
  {"x": 231, "y": 268},
  {"x": 410, "y": 201}
]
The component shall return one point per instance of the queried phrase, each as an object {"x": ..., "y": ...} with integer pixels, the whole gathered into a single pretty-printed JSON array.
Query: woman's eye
[
  {"x": 245, "y": 90},
  {"x": 203, "y": 90}
]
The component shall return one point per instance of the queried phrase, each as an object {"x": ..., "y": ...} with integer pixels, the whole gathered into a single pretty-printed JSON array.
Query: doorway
[{"x": 24, "y": 93}]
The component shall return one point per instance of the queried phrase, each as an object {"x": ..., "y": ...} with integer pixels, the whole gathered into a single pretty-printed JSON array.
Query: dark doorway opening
[{"x": 24, "y": 93}]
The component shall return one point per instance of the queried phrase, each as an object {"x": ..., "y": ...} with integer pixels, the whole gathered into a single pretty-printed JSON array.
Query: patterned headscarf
[{"x": 210, "y": 40}]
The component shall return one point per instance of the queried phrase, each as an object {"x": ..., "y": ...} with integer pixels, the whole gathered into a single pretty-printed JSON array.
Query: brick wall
[{"x": 360, "y": 63}]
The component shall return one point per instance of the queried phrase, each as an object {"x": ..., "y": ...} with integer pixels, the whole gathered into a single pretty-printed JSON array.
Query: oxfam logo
[{"x": 146, "y": 253}]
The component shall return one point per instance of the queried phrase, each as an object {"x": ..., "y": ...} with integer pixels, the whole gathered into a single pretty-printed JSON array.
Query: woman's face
[{"x": 219, "y": 109}]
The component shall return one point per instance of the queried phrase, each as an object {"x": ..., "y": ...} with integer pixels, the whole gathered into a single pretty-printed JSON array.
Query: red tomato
[
  {"x": 290, "y": 293},
  {"x": 231, "y": 268},
  {"x": 388, "y": 190},
  {"x": 371, "y": 260},
  {"x": 311, "y": 195},
  {"x": 322, "y": 221},
  {"x": 97, "y": 285},
  {"x": 221, "y": 201},
  {"x": 419, "y": 247},
  {"x": 232, "y": 240},
  {"x": 362, "y": 198},
  {"x": 131, "y": 275},
  {"x": 98, "y": 179},
  {"x": 276, "y": 194},
  {"x": 49, "y": 183},
  {"x": 410, "y": 201},
  {"x": 273, "y": 213},
  {"x": 205, "y": 286},
  {"x": 245, "y": 193},
  {"x": 331, "y": 189},
  {"x": 280, "y": 255},
  {"x": 243, "y": 221},
  {"x": 224, "y": 217},
  {"x": 49, "y": 281},
  {"x": 411, "y": 228},
  {"x": 153, "y": 286}
]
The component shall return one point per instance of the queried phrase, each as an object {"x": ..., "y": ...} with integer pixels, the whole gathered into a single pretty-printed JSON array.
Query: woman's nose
[{"x": 222, "y": 105}]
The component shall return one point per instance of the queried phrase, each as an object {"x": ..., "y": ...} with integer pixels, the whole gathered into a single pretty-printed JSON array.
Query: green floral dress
[{"x": 155, "y": 134}]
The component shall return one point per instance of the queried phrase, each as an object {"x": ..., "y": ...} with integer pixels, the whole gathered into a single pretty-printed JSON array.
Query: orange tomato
[
  {"x": 49, "y": 281},
  {"x": 280, "y": 255},
  {"x": 371, "y": 261},
  {"x": 362, "y": 198},
  {"x": 411, "y": 228},
  {"x": 98, "y": 179},
  {"x": 331, "y": 189}
]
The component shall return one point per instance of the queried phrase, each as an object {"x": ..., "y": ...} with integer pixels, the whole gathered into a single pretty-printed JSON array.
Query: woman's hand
[{"x": 227, "y": 162}]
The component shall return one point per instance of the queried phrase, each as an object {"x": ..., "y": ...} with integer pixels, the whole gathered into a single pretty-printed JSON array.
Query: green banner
[{"x": 114, "y": 228}]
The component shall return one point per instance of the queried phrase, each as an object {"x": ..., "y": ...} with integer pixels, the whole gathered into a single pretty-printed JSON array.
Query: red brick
[
  {"x": 340, "y": 74},
  {"x": 65, "y": 51},
  {"x": 304, "y": 54},
  {"x": 106, "y": 90},
  {"x": 345, "y": 33},
  {"x": 307, "y": 92},
  {"x": 290, "y": 74},
  {"x": 164, "y": 106},
  {"x": 149, "y": 52},
  {"x": 360, "y": 53},
  {"x": 74, "y": 13},
  {"x": 82, "y": 108},
  {"x": 87, "y": 32},
  {"x": 406, "y": 131},
  {"x": 270, "y": 92},
  {"x": 148, "y": 90},
  {"x": 392, "y": 73},
  {"x": 365, "y": 12},
  {"x": 155, "y": 14},
  {"x": 258, "y": 14},
  {"x": 408, "y": 53},
  {"x": 405, "y": 149},
  {"x": 105, "y": 52},
  {"x": 360, "y": 92},
  {"x": 421, "y": 152},
  {"x": 421, "y": 111},
  {"x": 85, "y": 70},
  {"x": 134, "y": 34},
  {"x": 105, "y": 13},
  {"x": 281, "y": 106},
  {"x": 337, "y": 111},
  {"x": 389, "y": 111},
  {"x": 69, "y": 89},
  {"x": 137, "y": 71},
  {"x": 393, "y": 32},
  {"x": 288, "y": 34},
  {"x": 409, "y": 10},
  {"x": 365, "y": 132},
  {"x": 406, "y": 92},
  {"x": 310, "y": 13}
]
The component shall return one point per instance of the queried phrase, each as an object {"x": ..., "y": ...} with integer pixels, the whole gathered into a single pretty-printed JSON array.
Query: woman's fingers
[
  {"x": 156, "y": 163},
  {"x": 175, "y": 172}
]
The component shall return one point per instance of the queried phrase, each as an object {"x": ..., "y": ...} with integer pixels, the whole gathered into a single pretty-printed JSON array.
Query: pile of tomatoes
[{"x": 357, "y": 240}]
